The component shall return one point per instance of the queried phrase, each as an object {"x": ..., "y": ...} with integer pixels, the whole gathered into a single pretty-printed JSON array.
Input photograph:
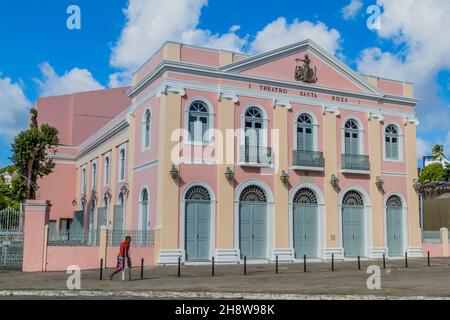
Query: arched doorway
[
  {"x": 305, "y": 225},
  {"x": 353, "y": 224},
  {"x": 197, "y": 224},
  {"x": 253, "y": 222},
  {"x": 394, "y": 226}
]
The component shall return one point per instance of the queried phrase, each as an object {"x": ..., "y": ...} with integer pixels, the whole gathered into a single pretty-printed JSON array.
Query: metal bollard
[
  {"x": 245, "y": 266},
  {"x": 142, "y": 268},
  {"x": 212, "y": 270},
  {"x": 101, "y": 269},
  {"x": 179, "y": 267},
  {"x": 304, "y": 263},
  {"x": 428, "y": 258},
  {"x": 276, "y": 265},
  {"x": 332, "y": 262},
  {"x": 406, "y": 259},
  {"x": 359, "y": 262},
  {"x": 384, "y": 261}
]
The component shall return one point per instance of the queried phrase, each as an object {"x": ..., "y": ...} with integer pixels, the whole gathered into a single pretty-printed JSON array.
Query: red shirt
[{"x": 124, "y": 248}]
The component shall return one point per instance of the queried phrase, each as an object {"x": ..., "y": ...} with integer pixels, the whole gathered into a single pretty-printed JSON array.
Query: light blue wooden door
[
  {"x": 305, "y": 230},
  {"x": 353, "y": 230},
  {"x": 102, "y": 217},
  {"x": 253, "y": 230},
  {"x": 118, "y": 232},
  {"x": 78, "y": 221},
  {"x": 198, "y": 215},
  {"x": 394, "y": 222}
]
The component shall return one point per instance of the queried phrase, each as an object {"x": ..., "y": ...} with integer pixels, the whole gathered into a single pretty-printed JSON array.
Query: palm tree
[{"x": 438, "y": 152}]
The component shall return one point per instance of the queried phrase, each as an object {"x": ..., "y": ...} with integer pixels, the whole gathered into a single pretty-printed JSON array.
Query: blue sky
[{"x": 40, "y": 56}]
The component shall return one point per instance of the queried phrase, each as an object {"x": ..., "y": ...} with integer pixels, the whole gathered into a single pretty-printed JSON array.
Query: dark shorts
[{"x": 120, "y": 263}]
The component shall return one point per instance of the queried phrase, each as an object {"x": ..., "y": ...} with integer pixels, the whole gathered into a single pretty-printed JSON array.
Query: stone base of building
[
  {"x": 377, "y": 253},
  {"x": 415, "y": 252},
  {"x": 227, "y": 255},
  {"x": 170, "y": 256},
  {"x": 284, "y": 255},
  {"x": 328, "y": 252}
]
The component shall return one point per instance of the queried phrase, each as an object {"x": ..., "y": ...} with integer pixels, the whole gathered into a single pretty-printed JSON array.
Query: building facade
[{"x": 287, "y": 153}]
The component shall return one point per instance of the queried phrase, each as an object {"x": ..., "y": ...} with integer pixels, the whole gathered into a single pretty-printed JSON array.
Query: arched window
[
  {"x": 253, "y": 194},
  {"x": 305, "y": 196},
  {"x": 107, "y": 170},
  {"x": 352, "y": 137},
  {"x": 353, "y": 198},
  {"x": 120, "y": 199},
  {"x": 94, "y": 176},
  {"x": 83, "y": 180},
  {"x": 105, "y": 202},
  {"x": 122, "y": 165},
  {"x": 146, "y": 129},
  {"x": 392, "y": 141},
  {"x": 305, "y": 133},
  {"x": 394, "y": 201},
  {"x": 144, "y": 210},
  {"x": 198, "y": 122},
  {"x": 198, "y": 193}
]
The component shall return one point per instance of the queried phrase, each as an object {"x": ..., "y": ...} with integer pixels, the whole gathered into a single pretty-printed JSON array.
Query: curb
[{"x": 196, "y": 295}]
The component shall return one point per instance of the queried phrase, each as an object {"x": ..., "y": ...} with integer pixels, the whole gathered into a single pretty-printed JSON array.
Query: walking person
[{"x": 124, "y": 254}]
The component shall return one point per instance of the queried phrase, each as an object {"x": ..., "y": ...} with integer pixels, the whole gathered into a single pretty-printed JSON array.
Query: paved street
[{"x": 229, "y": 282}]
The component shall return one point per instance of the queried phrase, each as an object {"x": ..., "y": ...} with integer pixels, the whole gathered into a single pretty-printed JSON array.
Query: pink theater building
[{"x": 218, "y": 154}]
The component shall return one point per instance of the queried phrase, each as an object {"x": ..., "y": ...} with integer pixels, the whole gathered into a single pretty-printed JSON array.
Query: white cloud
[
  {"x": 75, "y": 80},
  {"x": 415, "y": 28},
  {"x": 148, "y": 27},
  {"x": 14, "y": 108},
  {"x": 149, "y": 23},
  {"x": 351, "y": 10},
  {"x": 280, "y": 33},
  {"x": 423, "y": 148}
]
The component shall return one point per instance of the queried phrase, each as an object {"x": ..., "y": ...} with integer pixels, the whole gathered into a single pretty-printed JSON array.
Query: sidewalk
[{"x": 261, "y": 282}]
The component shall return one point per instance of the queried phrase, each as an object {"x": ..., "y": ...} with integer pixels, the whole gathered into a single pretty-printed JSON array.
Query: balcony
[
  {"x": 353, "y": 163},
  {"x": 256, "y": 156},
  {"x": 308, "y": 160}
]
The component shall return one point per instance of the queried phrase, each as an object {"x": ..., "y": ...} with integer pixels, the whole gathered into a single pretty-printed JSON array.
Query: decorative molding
[
  {"x": 228, "y": 96},
  {"x": 334, "y": 110},
  {"x": 227, "y": 255},
  {"x": 146, "y": 166},
  {"x": 166, "y": 89},
  {"x": 410, "y": 120},
  {"x": 284, "y": 255},
  {"x": 373, "y": 115},
  {"x": 171, "y": 256},
  {"x": 282, "y": 103}
]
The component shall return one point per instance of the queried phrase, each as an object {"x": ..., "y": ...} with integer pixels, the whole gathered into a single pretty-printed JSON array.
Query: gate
[{"x": 11, "y": 239}]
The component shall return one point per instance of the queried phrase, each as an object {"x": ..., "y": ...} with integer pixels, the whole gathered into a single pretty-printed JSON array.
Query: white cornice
[{"x": 214, "y": 73}]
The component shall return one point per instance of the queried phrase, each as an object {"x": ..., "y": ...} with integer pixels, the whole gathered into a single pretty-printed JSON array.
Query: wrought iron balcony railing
[
  {"x": 256, "y": 155},
  {"x": 303, "y": 158},
  {"x": 355, "y": 162}
]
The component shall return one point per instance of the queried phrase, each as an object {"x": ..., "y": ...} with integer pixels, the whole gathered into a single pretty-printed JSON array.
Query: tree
[
  {"x": 432, "y": 173},
  {"x": 438, "y": 152},
  {"x": 30, "y": 153}
]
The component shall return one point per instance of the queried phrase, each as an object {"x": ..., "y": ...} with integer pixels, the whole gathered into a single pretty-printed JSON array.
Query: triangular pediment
[{"x": 282, "y": 64}]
